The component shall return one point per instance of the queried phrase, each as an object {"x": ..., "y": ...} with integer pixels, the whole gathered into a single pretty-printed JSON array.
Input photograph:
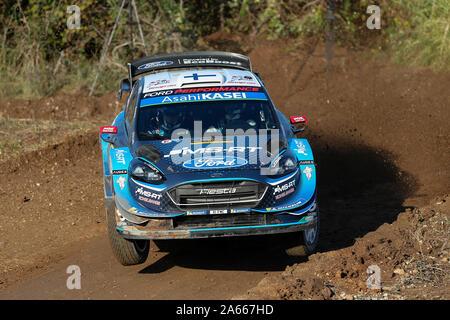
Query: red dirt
[
  {"x": 62, "y": 107},
  {"x": 381, "y": 140}
]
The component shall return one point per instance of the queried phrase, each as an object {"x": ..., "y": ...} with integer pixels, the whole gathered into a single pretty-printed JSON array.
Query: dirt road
[
  {"x": 200, "y": 271},
  {"x": 381, "y": 139}
]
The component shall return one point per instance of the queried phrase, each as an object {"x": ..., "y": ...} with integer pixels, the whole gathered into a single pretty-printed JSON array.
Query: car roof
[{"x": 196, "y": 78}]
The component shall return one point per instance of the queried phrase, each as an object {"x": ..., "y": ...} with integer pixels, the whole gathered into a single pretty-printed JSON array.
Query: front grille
[
  {"x": 218, "y": 195},
  {"x": 224, "y": 220}
]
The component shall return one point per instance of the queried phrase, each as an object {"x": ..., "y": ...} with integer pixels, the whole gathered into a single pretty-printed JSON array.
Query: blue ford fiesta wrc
[{"x": 200, "y": 151}]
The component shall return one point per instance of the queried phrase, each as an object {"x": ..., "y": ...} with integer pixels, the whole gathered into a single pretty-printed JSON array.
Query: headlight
[
  {"x": 146, "y": 172},
  {"x": 284, "y": 164}
]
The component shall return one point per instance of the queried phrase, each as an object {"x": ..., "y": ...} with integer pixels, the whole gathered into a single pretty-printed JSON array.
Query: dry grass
[
  {"x": 430, "y": 265},
  {"x": 22, "y": 135}
]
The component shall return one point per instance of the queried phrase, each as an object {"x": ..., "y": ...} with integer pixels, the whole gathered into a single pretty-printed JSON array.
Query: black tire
[
  {"x": 127, "y": 252},
  {"x": 307, "y": 241}
]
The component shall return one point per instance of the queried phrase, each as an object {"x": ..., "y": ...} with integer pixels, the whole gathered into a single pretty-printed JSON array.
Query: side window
[{"x": 131, "y": 107}]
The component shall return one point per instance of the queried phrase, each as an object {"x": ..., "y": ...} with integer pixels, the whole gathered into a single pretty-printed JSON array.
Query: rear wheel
[
  {"x": 127, "y": 252},
  {"x": 307, "y": 241}
]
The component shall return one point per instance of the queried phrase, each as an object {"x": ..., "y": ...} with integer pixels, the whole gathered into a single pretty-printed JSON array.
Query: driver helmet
[
  {"x": 233, "y": 113},
  {"x": 171, "y": 119}
]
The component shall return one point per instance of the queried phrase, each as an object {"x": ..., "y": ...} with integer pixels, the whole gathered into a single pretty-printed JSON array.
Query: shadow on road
[
  {"x": 252, "y": 253},
  {"x": 359, "y": 189}
]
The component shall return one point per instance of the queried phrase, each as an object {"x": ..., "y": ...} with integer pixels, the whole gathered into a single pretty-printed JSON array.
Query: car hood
[{"x": 198, "y": 155}]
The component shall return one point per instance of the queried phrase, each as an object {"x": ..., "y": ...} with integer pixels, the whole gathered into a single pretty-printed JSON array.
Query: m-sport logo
[{"x": 214, "y": 163}]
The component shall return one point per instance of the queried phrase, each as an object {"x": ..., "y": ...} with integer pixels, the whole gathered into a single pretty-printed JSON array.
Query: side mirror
[
  {"x": 124, "y": 86},
  {"x": 299, "y": 123},
  {"x": 108, "y": 134}
]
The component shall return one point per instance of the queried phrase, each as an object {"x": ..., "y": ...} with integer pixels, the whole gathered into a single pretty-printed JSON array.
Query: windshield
[{"x": 160, "y": 121}]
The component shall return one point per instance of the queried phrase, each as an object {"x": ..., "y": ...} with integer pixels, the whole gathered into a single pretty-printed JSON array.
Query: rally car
[{"x": 200, "y": 151}]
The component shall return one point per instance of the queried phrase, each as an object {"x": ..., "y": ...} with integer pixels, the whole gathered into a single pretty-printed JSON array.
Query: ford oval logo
[{"x": 214, "y": 163}]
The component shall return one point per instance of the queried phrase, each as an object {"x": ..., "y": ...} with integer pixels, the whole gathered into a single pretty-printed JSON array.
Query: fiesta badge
[{"x": 214, "y": 163}]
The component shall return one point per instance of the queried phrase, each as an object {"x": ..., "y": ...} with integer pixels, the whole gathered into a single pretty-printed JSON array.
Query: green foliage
[
  {"x": 415, "y": 32},
  {"x": 419, "y": 34},
  {"x": 39, "y": 55}
]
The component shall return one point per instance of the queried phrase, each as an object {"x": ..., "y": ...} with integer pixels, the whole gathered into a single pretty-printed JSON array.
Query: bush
[{"x": 39, "y": 55}]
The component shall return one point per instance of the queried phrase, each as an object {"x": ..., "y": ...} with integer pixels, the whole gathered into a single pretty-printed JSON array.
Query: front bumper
[{"x": 210, "y": 226}]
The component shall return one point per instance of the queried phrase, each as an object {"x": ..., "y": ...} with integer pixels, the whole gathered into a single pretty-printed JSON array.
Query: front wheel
[
  {"x": 309, "y": 239},
  {"x": 127, "y": 252}
]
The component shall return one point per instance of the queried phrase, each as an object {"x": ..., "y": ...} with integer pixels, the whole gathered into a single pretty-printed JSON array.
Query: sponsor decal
[
  {"x": 198, "y": 151},
  {"x": 303, "y": 162},
  {"x": 299, "y": 119},
  {"x": 210, "y": 60},
  {"x": 240, "y": 210},
  {"x": 307, "y": 171},
  {"x": 156, "y": 83},
  {"x": 120, "y": 157},
  {"x": 153, "y": 214},
  {"x": 134, "y": 210},
  {"x": 284, "y": 194},
  {"x": 214, "y": 163},
  {"x": 196, "y": 213},
  {"x": 217, "y": 191},
  {"x": 203, "y": 97},
  {"x": 157, "y": 93},
  {"x": 119, "y": 172},
  {"x": 108, "y": 129},
  {"x": 218, "y": 211},
  {"x": 293, "y": 205},
  {"x": 155, "y": 65},
  {"x": 121, "y": 182},
  {"x": 241, "y": 78},
  {"x": 159, "y": 88},
  {"x": 217, "y": 89},
  {"x": 151, "y": 201},
  {"x": 200, "y": 90},
  {"x": 301, "y": 148},
  {"x": 148, "y": 196},
  {"x": 284, "y": 187},
  {"x": 170, "y": 141}
]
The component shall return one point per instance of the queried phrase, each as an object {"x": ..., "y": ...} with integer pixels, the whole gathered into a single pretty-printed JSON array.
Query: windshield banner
[{"x": 197, "y": 97}]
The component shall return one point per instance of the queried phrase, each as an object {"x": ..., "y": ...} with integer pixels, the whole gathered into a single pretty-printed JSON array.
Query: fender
[
  {"x": 120, "y": 158},
  {"x": 305, "y": 193},
  {"x": 302, "y": 149}
]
